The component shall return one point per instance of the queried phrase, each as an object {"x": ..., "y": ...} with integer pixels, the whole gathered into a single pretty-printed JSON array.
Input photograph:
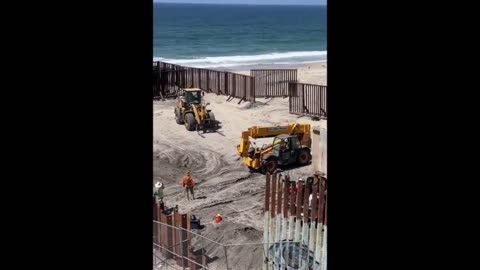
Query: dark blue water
[{"x": 231, "y": 35}]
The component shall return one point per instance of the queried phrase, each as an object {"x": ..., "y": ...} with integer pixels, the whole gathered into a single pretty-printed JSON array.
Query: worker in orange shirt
[
  {"x": 187, "y": 183},
  {"x": 218, "y": 218}
]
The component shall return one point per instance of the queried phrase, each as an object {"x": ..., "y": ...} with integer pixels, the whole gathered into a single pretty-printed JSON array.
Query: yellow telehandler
[{"x": 291, "y": 145}]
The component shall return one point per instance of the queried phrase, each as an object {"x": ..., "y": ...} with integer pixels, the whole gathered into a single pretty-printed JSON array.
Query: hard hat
[{"x": 158, "y": 185}]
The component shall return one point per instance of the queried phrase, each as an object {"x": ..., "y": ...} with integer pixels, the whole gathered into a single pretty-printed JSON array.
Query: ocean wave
[{"x": 248, "y": 60}]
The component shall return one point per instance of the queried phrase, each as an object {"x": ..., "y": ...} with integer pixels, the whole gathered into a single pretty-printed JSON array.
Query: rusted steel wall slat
[
  {"x": 266, "y": 219},
  {"x": 274, "y": 194}
]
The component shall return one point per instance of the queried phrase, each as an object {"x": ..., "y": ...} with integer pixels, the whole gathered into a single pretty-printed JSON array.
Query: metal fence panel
[
  {"x": 168, "y": 78},
  {"x": 273, "y": 82},
  {"x": 308, "y": 99}
]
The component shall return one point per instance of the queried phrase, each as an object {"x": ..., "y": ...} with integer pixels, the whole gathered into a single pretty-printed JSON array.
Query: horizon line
[{"x": 241, "y": 4}]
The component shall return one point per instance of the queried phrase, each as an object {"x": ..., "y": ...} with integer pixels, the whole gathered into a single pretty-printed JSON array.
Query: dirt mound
[
  {"x": 245, "y": 105},
  {"x": 239, "y": 256},
  {"x": 200, "y": 163}
]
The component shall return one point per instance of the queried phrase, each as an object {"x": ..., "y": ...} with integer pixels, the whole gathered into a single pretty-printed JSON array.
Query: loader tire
[
  {"x": 211, "y": 116},
  {"x": 304, "y": 157},
  {"x": 190, "y": 122},
  {"x": 178, "y": 117}
]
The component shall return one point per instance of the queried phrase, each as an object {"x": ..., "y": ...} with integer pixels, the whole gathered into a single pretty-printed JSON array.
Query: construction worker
[
  {"x": 298, "y": 183},
  {"x": 188, "y": 184},
  {"x": 218, "y": 218},
  {"x": 158, "y": 191}
]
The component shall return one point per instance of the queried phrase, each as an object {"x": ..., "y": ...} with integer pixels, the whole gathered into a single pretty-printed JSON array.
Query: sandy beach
[
  {"x": 314, "y": 73},
  {"x": 223, "y": 183}
]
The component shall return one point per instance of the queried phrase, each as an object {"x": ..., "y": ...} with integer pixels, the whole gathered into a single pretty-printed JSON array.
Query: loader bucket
[{"x": 208, "y": 124}]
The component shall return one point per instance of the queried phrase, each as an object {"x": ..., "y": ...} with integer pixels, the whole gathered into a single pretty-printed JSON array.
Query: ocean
[{"x": 227, "y": 36}]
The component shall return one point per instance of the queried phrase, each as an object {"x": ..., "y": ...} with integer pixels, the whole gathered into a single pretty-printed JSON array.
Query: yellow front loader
[{"x": 191, "y": 111}]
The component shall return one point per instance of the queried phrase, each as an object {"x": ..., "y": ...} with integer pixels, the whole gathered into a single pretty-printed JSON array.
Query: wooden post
[
  {"x": 272, "y": 213},
  {"x": 267, "y": 80},
  {"x": 314, "y": 225},
  {"x": 226, "y": 90},
  {"x": 207, "y": 83},
  {"x": 218, "y": 81},
  {"x": 286, "y": 199},
  {"x": 266, "y": 220},
  {"x": 155, "y": 225},
  {"x": 245, "y": 87},
  {"x": 169, "y": 237},
  {"x": 180, "y": 249},
  {"x": 306, "y": 216},
  {"x": 291, "y": 218},
  {"x": 176, "y": 236},
  {"x": 320, "y": 213},
  {"x": 278, "y": 222},
  {"x": 253, "y": 89},
  {"x": 185, "y": 224},
  {"x": 299, "y": 216},
  {"x": 234, "y": 85},
  {"x": 303, "y": 98},
  {"x": 324, "y": 245}
]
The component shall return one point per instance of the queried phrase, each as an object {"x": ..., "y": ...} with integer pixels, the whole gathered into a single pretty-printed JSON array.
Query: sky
[{"x": 264, "y": 2}]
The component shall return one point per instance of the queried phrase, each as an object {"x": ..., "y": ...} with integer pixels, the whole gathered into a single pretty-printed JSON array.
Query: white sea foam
[{"x": 247, "y": 60}]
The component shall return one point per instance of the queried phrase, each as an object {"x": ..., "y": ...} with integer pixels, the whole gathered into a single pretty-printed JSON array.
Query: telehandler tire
[
  {"x": 304, "y": 157},
  {"x": 269, "y": 165}
]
